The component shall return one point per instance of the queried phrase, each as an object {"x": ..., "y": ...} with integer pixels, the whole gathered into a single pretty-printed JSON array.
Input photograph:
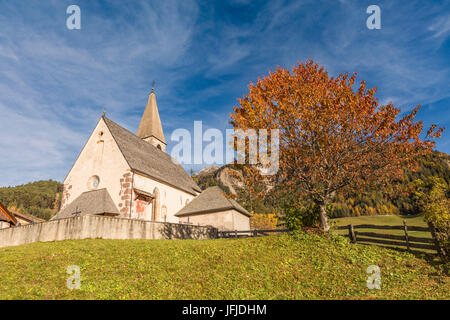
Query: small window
[
  {"x": 159, "y": 146},
  {"x": 100, "y": 137}
]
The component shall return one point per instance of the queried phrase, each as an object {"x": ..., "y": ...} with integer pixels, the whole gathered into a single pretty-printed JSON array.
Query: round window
[{"x": 93, "y": 182}]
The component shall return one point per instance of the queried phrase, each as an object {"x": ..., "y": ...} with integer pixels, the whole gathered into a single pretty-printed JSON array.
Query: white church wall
[
  {"x": 100, "y": 157},
  {"x": 171, "y": 199}
]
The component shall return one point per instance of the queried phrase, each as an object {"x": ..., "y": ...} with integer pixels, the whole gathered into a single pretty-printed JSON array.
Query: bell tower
[{"x": 150, "y": 128}]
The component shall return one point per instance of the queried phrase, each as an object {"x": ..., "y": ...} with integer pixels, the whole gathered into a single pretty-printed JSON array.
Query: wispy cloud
[{"x": 441, "y": 26}]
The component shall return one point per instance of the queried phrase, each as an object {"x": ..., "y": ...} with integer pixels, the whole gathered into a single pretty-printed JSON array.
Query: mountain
[{"x": 228, "y": 177}]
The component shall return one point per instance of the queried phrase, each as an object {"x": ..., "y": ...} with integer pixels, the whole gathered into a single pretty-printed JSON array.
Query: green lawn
[
  {"x": 384, "y": 220},
  {"x": 276, "y": 267}
]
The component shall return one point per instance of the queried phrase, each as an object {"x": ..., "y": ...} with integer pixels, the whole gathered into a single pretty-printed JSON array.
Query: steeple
[{"x": 150, "y": 128}]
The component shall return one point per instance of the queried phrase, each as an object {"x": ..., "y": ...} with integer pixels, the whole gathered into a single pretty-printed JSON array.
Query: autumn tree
[{"x": 333, "y": 138}]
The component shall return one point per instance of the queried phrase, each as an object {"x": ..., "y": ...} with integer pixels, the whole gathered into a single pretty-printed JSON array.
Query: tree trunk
[{"x": 323, "y": 216}]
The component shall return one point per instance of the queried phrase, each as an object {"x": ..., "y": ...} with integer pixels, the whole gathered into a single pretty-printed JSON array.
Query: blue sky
[{"x": 55, "y": 82}]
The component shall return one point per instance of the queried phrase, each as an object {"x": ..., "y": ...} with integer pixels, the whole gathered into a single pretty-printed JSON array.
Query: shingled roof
[
  {"x": 6, "y": 215},
  {"x": 211, "y": 200},
  {"x": 27, "y": 217},
  {"x": 90, "y": 202},
  {"x": 143, "y": 157}
]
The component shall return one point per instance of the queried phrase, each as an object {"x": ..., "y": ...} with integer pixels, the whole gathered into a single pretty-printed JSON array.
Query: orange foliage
[{"x": 332, "y": 138}]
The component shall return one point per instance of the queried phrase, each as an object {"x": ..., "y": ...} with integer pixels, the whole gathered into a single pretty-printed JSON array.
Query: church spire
[{"x": 150, "y": 128}]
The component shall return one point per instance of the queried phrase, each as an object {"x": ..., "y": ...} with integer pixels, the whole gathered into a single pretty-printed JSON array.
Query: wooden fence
[
  {"x": 249, "y": 233},
  {"x": 405, "y": 240}
]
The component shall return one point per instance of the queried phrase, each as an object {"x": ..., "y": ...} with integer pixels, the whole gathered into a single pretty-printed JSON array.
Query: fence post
[
  {"x": 439, "y": 249},
  {"x": 235, "y": 233},
  {"x": 351, "y": 233},
  {"x": 405, "y": 228}
]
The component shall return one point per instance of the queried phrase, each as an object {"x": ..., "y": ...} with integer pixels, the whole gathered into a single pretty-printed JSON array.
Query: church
[{"x": 126, "y": 175}]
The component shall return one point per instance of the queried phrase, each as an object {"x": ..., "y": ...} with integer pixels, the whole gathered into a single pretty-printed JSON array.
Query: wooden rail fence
[
  {"x": 249, "y": 233},
  {"x": 405, "y": 240}
]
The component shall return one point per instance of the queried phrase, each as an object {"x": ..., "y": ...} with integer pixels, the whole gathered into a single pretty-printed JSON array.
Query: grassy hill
[{"x": 278, "y": 267}]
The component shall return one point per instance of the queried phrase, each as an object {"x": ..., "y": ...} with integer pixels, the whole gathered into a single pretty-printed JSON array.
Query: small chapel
[{"x": 126, "y": 175}]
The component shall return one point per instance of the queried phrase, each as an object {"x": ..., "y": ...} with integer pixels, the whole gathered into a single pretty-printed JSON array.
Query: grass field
[
  {"x": 276, "y": 267},
  {"x": 385, "y": 220}
]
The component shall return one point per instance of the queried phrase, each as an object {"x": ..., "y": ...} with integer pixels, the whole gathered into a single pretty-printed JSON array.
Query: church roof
[
  {"x": 145, "y": 158},
  {"x": 211, "y": 200},
  {"x": 90, "y": 202},
  {"x": 6, "y": 215},
  {"x": 150, "y": 125}
]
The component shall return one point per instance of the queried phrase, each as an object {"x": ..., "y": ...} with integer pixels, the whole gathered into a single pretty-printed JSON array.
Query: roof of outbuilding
[
  {"x": 90, "y": 202},
  {"x": 143, "y": 157},
  {"x": 27, "y": 217},
  {"x": 211, "y": 200}
]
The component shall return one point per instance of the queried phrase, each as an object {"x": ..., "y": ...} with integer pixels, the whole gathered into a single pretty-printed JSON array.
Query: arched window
[
  {"x": 159, "y": 146},
  {"x": 156, "y": 205}
]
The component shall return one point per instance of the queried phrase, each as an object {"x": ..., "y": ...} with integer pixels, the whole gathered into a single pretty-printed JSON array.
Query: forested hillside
[
  {"x": 395, "y": 199},
  {"x": 41, "y": 198}
]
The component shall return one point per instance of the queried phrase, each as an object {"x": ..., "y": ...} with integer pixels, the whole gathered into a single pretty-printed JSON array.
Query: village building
[
  {"x": 26, "y": 219},
  {"x": 131, "y": 176},
  {"x": 10, "y": 218},
  {"x": 7, "y": 219}
]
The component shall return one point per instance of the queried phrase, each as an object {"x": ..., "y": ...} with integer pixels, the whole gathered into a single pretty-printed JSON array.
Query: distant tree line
[
  {"x": 41, "y": 199},
  {"x": 398, "y": 198}
]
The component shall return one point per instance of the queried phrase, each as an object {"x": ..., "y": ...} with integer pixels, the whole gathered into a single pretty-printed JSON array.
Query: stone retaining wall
[{"x": 92, "y": 226}]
